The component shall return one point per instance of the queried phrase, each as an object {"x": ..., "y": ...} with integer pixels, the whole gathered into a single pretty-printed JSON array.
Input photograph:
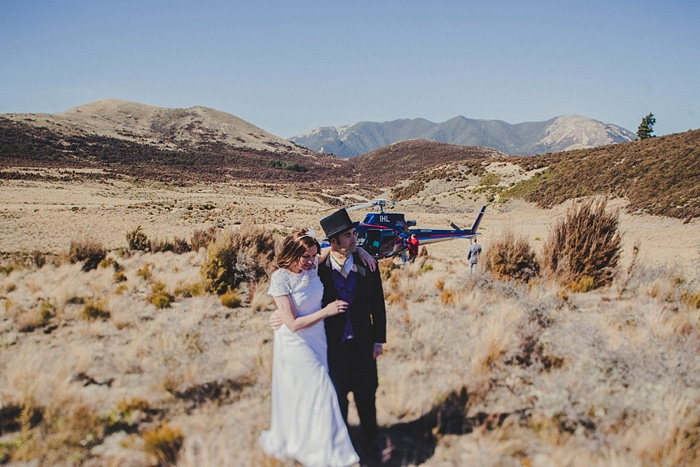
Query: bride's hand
[
  {"x": 275, "y": 320},
  {"x": 336, "y": 307},
  {"x": 367, "y": 259}
]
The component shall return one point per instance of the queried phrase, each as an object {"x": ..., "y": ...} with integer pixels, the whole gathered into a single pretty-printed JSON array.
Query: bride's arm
[
  {"x": 367, "y": 259},
  {"x": 286, "y": 311}
]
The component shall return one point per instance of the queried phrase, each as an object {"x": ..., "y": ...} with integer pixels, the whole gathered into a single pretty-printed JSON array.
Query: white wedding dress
[{"x": 306, "y": 424}]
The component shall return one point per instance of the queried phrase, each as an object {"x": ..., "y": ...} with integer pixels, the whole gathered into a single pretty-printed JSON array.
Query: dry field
[{"x": 478, "y": 371}]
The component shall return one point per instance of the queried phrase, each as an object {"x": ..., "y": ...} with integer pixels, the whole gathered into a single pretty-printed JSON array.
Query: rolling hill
[
  {"x": 171, "y": 145},
  {"x": 167, "y": 128}
]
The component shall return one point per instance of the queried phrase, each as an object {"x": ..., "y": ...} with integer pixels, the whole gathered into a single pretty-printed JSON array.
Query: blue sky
[{"x": 291, "y": 66}]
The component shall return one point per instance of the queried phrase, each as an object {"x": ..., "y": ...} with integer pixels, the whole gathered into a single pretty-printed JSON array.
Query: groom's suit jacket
[{"x": 367, "y": 312}]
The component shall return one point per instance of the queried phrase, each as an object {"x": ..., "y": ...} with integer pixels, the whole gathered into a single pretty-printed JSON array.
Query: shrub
[
  {"x": 75, "y": 300},
  {"x": 159, "y": 296},
  {"x": 180, "y": 246},
  {"x": 94, "y": 310},
  {"x": 192, "y": 290},
  {"x": 47, "y": 310},
  {"x": 56, "y": 434},
  {"x": 111, "y": 262},
  {"x": 202, "y": 238},
  {"x": 407, "y": 191},
  {"x": 129, "y": 405},
  {"x": 236, "y": 257},
  {"x": 164, "y": 442},
  {"x": 86, "y": 250},
  {"x": 231, "y": 299},
  {"x": 447, "y": 297},
  {"x": 159, "y": 246},
  {"x": 692, "y": 299},
  {"x": 284, "y": 165},
  {"x": 512, "y": 258},
  {"x": 28, "y": 320},
  {"x": 490, "y": 179},
  {"x": 586, "y": 244},
  {"x": 145, "y": 272},
  {"x": 138, "y": 240}
]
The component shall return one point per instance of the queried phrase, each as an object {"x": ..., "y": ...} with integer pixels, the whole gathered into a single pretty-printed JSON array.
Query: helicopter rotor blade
[
  {"x": 377, "y": 202},
  {"x": 355, "y": 207}
]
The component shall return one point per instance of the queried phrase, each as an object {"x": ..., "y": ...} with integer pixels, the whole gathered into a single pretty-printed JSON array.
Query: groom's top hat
[{"x": 337, "y": 222}]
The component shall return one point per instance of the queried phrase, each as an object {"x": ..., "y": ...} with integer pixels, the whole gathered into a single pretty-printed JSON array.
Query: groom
[{"x": 355, "y": 338}]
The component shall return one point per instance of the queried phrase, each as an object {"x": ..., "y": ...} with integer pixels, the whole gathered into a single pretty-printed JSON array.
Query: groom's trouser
[{"x": 352, "y": 368}]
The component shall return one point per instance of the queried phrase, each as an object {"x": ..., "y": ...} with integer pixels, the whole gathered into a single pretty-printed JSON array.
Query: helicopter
[{"x": 384, "y": 234}]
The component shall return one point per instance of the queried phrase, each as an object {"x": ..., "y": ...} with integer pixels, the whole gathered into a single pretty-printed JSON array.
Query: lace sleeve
[{"x": 279, "y": 284}]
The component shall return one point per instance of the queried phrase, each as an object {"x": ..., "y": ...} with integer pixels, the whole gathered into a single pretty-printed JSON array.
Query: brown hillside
[
  {"x": 164, "y": 127},
  {"x": 397, "y": 162},
  {"x": 659, "y": 176},
  {"x": 23, "y": 145}
]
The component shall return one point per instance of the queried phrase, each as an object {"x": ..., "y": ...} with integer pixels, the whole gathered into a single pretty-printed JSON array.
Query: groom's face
[{"x": 345, "y": 242}]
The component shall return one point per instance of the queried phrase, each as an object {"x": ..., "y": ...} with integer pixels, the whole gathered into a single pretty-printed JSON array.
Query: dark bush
[
  {"x": 86, "y": 250},
  {"x": 138, "y": 240},
  {"x": 283, "y": 165}
]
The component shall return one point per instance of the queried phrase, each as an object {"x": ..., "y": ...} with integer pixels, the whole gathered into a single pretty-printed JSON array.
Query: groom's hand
[{"x": 275, "y": 320}]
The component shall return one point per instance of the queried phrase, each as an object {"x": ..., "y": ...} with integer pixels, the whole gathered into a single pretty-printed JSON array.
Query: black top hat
[{"x": 337, "y": 222}]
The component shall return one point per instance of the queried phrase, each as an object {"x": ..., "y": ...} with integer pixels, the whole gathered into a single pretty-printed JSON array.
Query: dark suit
[{"x": 351, "y": 364}]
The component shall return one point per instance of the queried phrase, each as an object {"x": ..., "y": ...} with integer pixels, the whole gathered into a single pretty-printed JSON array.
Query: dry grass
[
  {"x": 477, "y": 370},
  {"x": 583, "y": 249}
]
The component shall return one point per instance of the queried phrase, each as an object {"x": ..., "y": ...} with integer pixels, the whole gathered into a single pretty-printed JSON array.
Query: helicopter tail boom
[
  {"x": 426, "y": 236},
  {"x": 475, "y": 226}
]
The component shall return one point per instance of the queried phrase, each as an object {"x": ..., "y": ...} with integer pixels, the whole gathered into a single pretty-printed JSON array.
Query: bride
[{"x": 306, "y": 423}]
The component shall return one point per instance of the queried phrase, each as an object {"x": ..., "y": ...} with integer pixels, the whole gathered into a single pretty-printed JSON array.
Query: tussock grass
[
  {"x": 583, "y": 249},
  {"x": 95, "y": 310},
  {"x": 231, "y": 299},
  {"x": 260, "y": 300},
  {"x": 159, "y": 296},
  {"x": 512, "y": 258},
  {"x": 137, "y": 240},
  {"x": 238, "y": 256},
  {"x": 164, "y": 442},
  {"x": 201, "y": 238},
  {"x": 87, "y": 250}
]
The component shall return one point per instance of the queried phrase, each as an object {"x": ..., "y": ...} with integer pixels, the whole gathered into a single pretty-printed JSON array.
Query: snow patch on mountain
[{"x": 576, "y": 132}]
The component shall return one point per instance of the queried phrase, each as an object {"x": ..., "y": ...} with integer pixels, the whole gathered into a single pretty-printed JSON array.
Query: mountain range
[{"x": 557, "y": 134}]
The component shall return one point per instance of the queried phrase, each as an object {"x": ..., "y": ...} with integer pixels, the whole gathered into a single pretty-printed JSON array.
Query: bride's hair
[{"x": 294, "y": 246}]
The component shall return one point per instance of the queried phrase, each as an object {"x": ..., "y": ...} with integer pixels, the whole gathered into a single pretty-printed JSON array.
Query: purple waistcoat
[{"x": 345, "y": 286}]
